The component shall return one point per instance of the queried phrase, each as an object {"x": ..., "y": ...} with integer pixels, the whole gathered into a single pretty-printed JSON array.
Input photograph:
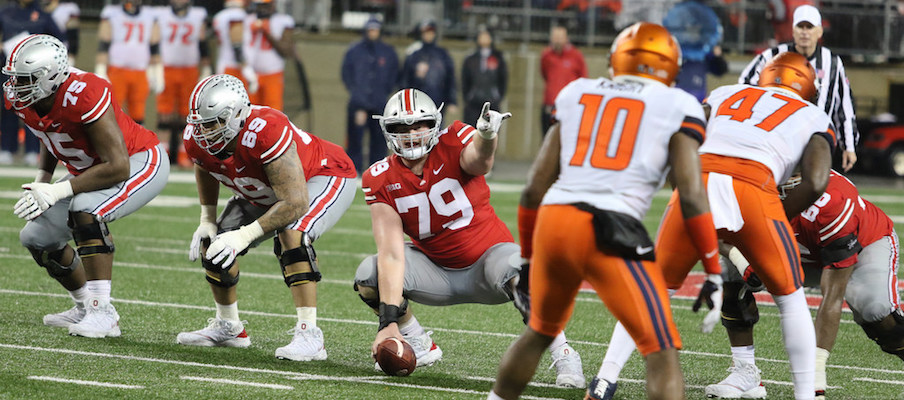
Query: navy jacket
[
  {"x": 15, "y": 20},
  {"x": 369, "y": 71},
  {"x": 438, "y": 79}
]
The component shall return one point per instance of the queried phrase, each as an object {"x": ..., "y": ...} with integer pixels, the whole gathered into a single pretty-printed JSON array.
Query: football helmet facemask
[
  {"x": 405, "y": 108},
  {"x": 218, "y": 109},
  {"x": 790, "y": 71},
  {"x": 789, "y": 185},
  {"x": 647, "y": 50},
  {"x": 37, "y": 66}
]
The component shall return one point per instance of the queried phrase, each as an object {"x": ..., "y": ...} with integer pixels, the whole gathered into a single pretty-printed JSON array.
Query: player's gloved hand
[
  {"x": 155, "y": 78},
  {"x": 490, "y": 121},
  {"x": 753, "y": 282},
  {"x": 206, "y": 230},
  {"x": 228, "y": 245},
  {"x": 101, "y": 71},
  {"x": 711, "y": 294},
  {"x": 521, "y": 295},
  {"x": 40, "y": 196},
  {"x": 251, "y": 78}
]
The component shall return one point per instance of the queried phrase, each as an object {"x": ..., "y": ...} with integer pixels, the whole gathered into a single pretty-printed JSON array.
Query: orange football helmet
[
  {"x": 648, "y": 50},
  {"x": 791, "y": 71}
]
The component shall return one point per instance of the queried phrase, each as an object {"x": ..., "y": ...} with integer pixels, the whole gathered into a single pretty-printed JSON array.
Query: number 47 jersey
[{"x": 615, "y": 138}]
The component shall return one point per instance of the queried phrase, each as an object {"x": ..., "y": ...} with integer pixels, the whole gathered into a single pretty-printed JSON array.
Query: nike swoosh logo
[
  {"x": 643, "y": 250},
  {"x": 436, "y": 171},
  {"x": 54, "y": 125},
  {"x": 240, "y": 169},
  {"x": 711, "y": 254}
]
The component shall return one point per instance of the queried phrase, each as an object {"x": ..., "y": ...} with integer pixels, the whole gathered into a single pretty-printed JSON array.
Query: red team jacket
[
  {"x": 266, "y": 135},
  {"x": 446, "y": 212},
  {"x": 81, "y": 100},
  {"x": 839, "y": 212}
]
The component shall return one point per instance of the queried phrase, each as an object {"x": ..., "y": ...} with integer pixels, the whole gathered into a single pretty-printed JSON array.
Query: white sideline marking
[
  {"x": 257, "y": 251},
  {"x": 879, "y": 381},
  {"x": 240, "y": 383},
  {"x": 81, "y": 382}
]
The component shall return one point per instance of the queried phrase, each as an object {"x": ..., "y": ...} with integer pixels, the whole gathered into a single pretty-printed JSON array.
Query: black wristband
[{"x": 388, "y": 314}]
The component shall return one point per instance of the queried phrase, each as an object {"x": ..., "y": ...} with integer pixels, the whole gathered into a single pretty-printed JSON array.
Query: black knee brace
[
  {"x": 738, "y": 310},
  {"x": 888, "y": 333},
  {"x": 96, "y": 230},
  {"x": 375, "y": 303},
  {"x": 219, "y": 276},
  {"x": 304, "y": 253},
  {"x": 51, "y": 261}
]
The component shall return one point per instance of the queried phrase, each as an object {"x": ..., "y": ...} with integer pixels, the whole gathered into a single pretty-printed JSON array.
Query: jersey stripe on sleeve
[
  {"x": 694, "y": 128},
  {"x": 99, "y": 109},
  {"x": 465, "y": 133},
  {"x": 279, "y": 148}
]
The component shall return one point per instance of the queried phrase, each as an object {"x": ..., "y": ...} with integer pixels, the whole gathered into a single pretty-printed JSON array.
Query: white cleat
[
  {"x": 66, "y": 318},
  {"x": 743, "y": 382},
  {"x": 218, "y": 333},
  {"x": 100, "y": 320},
  {"x": 569, "y": 370},
  {"x": 306, "y": 345}
]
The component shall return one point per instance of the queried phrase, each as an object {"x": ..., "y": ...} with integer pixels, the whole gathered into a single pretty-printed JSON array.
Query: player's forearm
[
  {"x": 281, "y": 214},
  {"x": 390, "y": 278},
  {"x": 101, "y": 176},
  {"x": 208, "y": 187}
]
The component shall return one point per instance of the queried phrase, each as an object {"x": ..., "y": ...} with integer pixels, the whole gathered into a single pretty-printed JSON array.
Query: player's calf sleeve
[
  {"x": 800, "y": 341},
  {"x": 620, "y": 348},
  {"x": 703, "y": 236}
]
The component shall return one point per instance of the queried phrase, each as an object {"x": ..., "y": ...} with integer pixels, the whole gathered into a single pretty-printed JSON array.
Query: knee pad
[
  {"x": 375, "y": 302},
  {"x": 288, "y": 260},
  {"x": 96, "y": 230},
  {"x": 888, "y": 333},
  {"x": 739, "y": 308},
  {"x": 219, "y": 276},
  {"x": 50, "y": 260}
]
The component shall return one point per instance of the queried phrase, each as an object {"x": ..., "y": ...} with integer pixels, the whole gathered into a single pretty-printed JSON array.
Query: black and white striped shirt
[{"x": 831, "y": 81}]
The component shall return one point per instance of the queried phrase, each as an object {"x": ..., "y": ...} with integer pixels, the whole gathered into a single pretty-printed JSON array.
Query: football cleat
[
  {"x": 820, "y": 395},
  {"x": 600, "y": 389},
  {"x": 306, "y": 345},
  {"x": 569, "y": 370},
  {"x": 743, "y": 382},
  {"x": 218, "y": 333},
  {"x": 66, "y": 318},
  {"x": 100, "y": 320}
]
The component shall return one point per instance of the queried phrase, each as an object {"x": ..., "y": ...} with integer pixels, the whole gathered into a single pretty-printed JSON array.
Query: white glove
[
  {"x": 39, "y": 196},
  {"x": 207, "y": 229},
  {"x": 101, "y": 71},
  {"x": 155, "y": 78},
  {"x": 490, "y": 121},
  {"x": 229, "y": 244},
  {"x": 715, "y": 312},
  {"x": 250, "y": 77}
]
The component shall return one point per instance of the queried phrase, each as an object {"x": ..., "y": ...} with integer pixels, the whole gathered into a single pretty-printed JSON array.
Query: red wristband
[
  {"x": 703, "y": 235},
  {"x": 527, "y": 218}
]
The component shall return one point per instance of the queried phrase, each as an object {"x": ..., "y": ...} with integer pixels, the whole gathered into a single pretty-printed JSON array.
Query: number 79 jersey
[
  {"x": 615, "y": 137},
  {"x": 768, "y": 126},
  {"x": 446, "y": 212}
]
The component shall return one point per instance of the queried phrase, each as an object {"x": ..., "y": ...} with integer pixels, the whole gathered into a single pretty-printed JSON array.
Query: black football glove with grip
[{"x": 521, "y": 295}]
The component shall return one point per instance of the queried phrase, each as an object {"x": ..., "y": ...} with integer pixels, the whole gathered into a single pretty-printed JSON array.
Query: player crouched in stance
[
  {"x": 115, "y": 167},
  {"x": 849, "y": 249},
  {"x": 433, "y": 190},
  {"x": 286, "y": 182},
  {"x": 591, "y": 204}
]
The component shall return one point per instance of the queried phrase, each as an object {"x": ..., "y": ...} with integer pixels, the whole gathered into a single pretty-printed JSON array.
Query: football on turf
[{"x": 396, "y": 357}]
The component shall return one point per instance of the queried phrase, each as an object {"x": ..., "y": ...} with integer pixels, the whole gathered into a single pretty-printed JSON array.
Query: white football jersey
[
  {"x": 222, "y": 22},
  {"x": 63, "y": 13},
  {"x": 130, "y": 46},
  {"x": 261, "y": 55},
  {"x": 615, "y": 138},
  {"x": 180, "y": 35},
  {"x": 767, "y": 125}
]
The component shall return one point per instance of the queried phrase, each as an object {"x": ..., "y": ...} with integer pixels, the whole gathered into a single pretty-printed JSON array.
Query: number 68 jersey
[{"x": 446, "y": 212}]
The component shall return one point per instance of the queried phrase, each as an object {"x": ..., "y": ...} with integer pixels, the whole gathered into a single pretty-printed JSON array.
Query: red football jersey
[
  {"x": 267, "y": 134},
  {"x": 447, "y": 211},
  {"x": 839, "y": 212},
  {"x": 81, "y": 100}
]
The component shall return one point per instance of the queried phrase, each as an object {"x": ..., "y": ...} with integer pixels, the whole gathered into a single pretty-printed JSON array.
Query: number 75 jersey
[{"x": 765, "y": 125}]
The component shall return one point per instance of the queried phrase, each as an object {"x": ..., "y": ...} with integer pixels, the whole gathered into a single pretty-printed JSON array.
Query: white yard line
[
  {"x": 879, "y": 381},
  {"x": 239, "y": 383},
  {"x": 87, "y": 383}
]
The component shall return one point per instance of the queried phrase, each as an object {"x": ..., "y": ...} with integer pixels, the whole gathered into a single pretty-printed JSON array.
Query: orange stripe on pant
[
  {"x": 766, "y": 238},
  {"x": 130, "y": 89},
  {"x": 565, "y": 254}
]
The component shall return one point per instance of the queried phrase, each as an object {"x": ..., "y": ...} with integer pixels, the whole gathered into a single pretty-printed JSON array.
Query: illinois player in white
[
  {"x": 184, "y": 54},
  {"x": 115, "y": 167},
  {"x": 271, "y": 44},
  {"x": 596, "y": 175},
  {"x": 233, "y": 33},
  {"x": 849, "y": 249},
  {"x": 66, "y": 16},
  {"x": 432, "y": 188},
  {"x": 128, "y": 54},
  {"x": 286, "y": 182}
]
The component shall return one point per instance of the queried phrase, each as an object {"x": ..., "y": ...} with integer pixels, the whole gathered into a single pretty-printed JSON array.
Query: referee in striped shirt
[{"x": 833, "y": 85}]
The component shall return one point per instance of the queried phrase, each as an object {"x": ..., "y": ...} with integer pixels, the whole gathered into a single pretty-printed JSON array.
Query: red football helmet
[
  {"x": 790, "y": 71},
  {"x": 648, "y": 50}
]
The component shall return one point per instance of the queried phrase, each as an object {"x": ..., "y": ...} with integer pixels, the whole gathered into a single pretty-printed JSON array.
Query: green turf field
[{"x": 159, "y": 293}]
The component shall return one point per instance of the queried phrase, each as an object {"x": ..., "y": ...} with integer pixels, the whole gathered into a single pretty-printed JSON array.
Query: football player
[
  {"x": 432, "y": 188},
  {"x": 114, "y": 165},
  {"x": 593, "y": 181},
  {"x": 757, "y": 135},
  {"x": 270, "y": 45},
  {"x": 286, "y": 182},
  {"x": 66, "y": 16},
  {"x": 849, "y": 250},
  {"x": 232, "y": 32}
]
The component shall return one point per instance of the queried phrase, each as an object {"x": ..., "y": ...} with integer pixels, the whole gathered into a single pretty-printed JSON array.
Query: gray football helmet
[
  {"x": 218, "y": 108},
  {"x": 407, "y": 107},
  {"x": 37, "y": 66}
]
